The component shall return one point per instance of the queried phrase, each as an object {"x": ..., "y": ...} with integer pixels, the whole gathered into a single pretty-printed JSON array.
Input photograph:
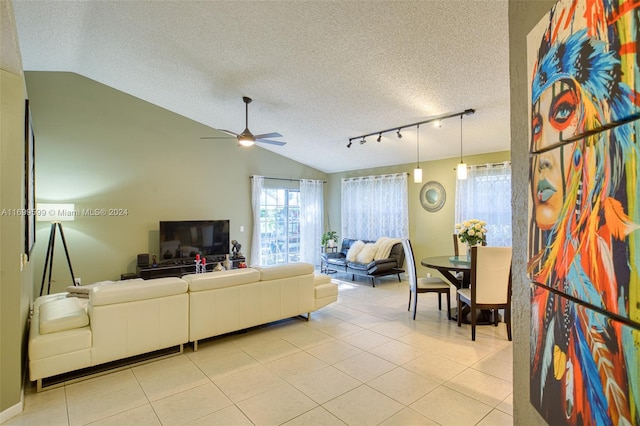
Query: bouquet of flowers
[{"x": 472, "y": 231}]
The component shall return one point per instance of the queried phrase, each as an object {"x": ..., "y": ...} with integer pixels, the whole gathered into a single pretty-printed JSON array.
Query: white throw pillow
[
  {"x": 366, "y": 254},
  {"x": 352, "y": 254},
  {"x": 62, "y": 314}
]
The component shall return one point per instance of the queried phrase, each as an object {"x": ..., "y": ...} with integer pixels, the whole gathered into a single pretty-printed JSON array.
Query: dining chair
[
  {"x": 424, "y": 285},
  {"x": 490, "y": 285},
  {"x": 459, "y": 248}
]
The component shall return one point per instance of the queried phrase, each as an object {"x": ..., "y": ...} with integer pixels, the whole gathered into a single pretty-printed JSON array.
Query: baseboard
[
  {"x": 17, "y": 408},
  {"x": 14, "y": 410}
]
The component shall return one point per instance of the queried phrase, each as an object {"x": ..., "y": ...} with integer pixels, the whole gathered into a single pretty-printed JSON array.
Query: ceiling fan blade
[
  {"x": 279, "y": 143},
  {"x": 229, "y": 132},
  {"x": 268, "y": 135},
  {"x": 218, "y": 137}
]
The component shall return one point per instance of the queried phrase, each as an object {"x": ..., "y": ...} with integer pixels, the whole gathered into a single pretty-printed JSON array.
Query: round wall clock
[{"x": 432, "y": 196}]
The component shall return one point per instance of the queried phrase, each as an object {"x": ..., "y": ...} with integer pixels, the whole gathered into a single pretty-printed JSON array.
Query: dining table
[{"x": 449, "y": 266}]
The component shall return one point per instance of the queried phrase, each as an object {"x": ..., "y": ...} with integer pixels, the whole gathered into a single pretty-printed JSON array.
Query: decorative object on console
[
  {"x": 236, "y": 249},
  {"x": 218, "y": 267},
  {"x": 432, "y": 196},
  {"x": 143, "y": 259},
  {"x": 56, "y": 213},
  {"x": 201, "y": 264}
]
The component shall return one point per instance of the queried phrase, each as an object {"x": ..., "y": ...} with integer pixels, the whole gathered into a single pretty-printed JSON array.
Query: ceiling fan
[{"x": 246, "y": 138}]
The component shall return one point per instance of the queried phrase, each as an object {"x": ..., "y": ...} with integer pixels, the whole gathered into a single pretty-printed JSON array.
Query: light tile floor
[{"x": 360, "y": 361}]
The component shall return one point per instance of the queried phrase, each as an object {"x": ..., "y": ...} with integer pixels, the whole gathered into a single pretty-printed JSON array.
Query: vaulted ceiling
[{"x": 319, "y": 72}]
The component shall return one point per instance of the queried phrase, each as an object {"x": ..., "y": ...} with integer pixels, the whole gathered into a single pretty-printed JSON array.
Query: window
[
  {"x": 375, "y": 206},
  {"x": 279, "y": 226},
  {"x": 486, "y": 195}
]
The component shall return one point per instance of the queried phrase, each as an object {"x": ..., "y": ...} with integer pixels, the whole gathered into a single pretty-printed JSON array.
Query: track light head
[
  {"x": 379, "y": 137},
  {"x": 437, "y": 123},
  {"x": 349, "y": 144},
  {"x": 363, "y": 141},
  {"x": 399, "y": 135}
]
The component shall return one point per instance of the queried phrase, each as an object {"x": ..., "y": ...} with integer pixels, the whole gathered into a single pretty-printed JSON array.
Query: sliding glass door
[{"x": 279, "y": 226}]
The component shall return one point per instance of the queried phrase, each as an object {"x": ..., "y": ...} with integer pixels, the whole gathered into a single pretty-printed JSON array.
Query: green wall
[
  {"x": 16, "y": 275},
  {"x": 100, "y": 148},
  {"x": 430, "y": 233}
]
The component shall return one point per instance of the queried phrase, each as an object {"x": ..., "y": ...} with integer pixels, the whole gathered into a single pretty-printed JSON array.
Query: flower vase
[{"x": 469, "y": 251}]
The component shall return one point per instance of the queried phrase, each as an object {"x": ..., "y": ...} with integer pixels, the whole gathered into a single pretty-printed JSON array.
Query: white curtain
[
  {"x": 257, "y": 184},
  {"x": 375, "y": 206},
  {"x": 486, "y": 195},
  {"x": 311, "y": 220}
]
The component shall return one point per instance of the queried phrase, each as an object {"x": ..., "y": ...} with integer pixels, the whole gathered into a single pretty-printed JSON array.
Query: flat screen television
[{"x": 187, "y": 238}]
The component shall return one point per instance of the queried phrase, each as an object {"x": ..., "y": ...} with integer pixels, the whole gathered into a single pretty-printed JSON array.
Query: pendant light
[
  {"x": 417, "y": 172},
  {"x": 461, "y": 170}
]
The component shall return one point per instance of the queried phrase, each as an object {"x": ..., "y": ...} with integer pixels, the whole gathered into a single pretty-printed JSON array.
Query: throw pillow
[
  {"x": 62, "y": 314},
  {"x": 366, "y": 254},
  {"x": 352, "y": 254}
]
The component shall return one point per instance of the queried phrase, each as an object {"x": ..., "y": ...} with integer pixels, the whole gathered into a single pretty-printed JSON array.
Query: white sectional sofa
[{"x": 126, "y": 319}]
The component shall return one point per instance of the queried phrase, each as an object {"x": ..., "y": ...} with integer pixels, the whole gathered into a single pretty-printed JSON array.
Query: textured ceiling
[{"x": 319, "y": 72}]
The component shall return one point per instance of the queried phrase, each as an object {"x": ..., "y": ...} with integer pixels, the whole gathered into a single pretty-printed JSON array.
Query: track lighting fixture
[
  {"x": 461, "y": 170},
  {"x": 417, "y": 172},
  {"x": 437, "y": 123},
  {"x": 437, "y": 120}
]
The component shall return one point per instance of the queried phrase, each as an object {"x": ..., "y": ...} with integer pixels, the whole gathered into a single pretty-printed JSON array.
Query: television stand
[{"x": 180, "y": 267}]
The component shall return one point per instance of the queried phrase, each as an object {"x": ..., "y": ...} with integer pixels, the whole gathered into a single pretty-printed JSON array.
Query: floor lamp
[{"x": 56, "y": 213}]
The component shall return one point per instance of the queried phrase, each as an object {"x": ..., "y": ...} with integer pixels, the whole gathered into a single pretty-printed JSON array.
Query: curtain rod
[
  {"x": 377, "y": 176},
  {"x": 287, "y": 179},
  {"x": 479, "y": 166}
]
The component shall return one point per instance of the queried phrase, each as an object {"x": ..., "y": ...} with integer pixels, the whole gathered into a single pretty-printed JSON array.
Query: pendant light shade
[
  {"x": 461, "y": 170},
  {"x": 417, "y": 172},
  {"x": 417, "y": 175}
]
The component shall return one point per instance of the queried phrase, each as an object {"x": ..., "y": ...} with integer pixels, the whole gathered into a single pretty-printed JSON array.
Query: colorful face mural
[{"x": 584, "y": 232}]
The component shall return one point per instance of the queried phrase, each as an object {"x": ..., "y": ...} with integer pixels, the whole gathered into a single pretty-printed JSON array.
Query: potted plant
[{"x": 329, "y": 239}]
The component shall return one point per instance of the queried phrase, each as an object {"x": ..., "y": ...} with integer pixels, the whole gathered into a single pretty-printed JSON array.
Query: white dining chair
[
  {"x": 424, "y": 285},
  {"x": 490, "y": 285}
]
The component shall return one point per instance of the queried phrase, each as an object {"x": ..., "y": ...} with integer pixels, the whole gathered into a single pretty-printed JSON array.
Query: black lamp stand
[{"x": 48, "y": 263}]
